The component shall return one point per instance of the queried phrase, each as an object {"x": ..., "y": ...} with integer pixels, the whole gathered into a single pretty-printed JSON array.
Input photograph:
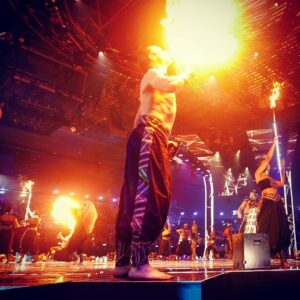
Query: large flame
[
  {"x": 275, "y": 94},
  {"x": 200, "y": 32},
  {"x": 62, "y": 211}
]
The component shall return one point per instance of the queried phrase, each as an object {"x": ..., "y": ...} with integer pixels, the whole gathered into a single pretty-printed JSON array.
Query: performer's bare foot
[
  {"x": 121, "y": 271},
  {"x": 148, "y": 273}
]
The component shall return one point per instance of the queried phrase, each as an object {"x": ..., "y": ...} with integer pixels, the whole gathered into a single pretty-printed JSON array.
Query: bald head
[{"x": 156, "y": 57}]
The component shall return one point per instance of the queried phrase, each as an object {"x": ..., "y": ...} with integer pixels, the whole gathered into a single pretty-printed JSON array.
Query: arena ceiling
[{"x": 54, "y": 82}]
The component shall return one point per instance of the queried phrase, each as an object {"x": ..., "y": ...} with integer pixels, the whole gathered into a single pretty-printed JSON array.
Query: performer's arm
[
  {"x": 241, "y": 208},
  {"x": 16, "y": 223},
  {"x": 271, "y": 151},
  {"x": 168, "y": 84},
  {"x": 266, "y": 161},
  {"x": 282, "y": 175},
  {"x": 137, "y": 116},
  {"x": 30, "y": 212}
]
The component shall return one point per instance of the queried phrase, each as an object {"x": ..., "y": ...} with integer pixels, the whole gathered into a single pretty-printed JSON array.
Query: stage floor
[{"x": 33, "y": 274}]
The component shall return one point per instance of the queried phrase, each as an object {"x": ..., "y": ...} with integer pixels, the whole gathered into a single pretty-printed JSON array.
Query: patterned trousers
[{"x": 146, "y": 192}]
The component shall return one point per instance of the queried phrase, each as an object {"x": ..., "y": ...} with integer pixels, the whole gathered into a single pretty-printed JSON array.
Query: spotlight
[
  {"x": 182, "y": 213},
  {"x": 101, "y": 54},
  {"x": 55, "y": 191},
  {"x": 87, "y": 196},
  {"x": 114, "y": 199},
  {"x": 195, "y": 213},
  {"x": 72, "y": 194},
  {"x": 221, "y": 213},
  {"x": 73, "y": 129},
  {"x": 238, "y": 152},
  {"x": 3, "y": 190},
  {"x": 100, "y": 197},
  {"x": 212, "y": 78},
  {"x": 217, "y": 155},
  {"x": 229, "y": 170},
  {"x": 180, "y": 155},
  {"x": 198, "y": 169},
  {"x": 256, "y": 54},
  {"x": 187, "y": 160}
]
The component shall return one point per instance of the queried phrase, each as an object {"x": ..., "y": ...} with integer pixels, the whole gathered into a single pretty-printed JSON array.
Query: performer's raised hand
[{"x": 173, "y": 147}]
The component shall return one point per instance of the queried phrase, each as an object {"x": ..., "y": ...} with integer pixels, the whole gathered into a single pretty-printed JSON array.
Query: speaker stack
[{"x": 251, "y": 251}]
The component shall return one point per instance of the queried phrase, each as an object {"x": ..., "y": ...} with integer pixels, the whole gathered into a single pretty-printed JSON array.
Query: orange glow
[
  {"x": 200, "y": 32},
  {"x": 275, "y": 94},
  {"x": 62, "y": 211}
]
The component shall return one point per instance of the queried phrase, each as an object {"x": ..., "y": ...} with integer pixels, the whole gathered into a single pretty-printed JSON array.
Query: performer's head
[
  {"x": 156, "y": 57},
  {"x": 252, "y": 195},
  {"x": 186, "y": 226}
]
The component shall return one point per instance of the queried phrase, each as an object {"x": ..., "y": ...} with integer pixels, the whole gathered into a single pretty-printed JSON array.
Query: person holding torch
[{"x": 272, "y": 218}]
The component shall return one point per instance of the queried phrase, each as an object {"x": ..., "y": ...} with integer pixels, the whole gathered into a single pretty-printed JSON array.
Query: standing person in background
[
  {"x": 164, "y": 245},
  {"x": 211, "y": 245},
  {"x": 8, "y": 223},
  {"x": 184, "y": 250},
  {"x": 29, "y": 242},
  {"x": 194, "y": 239},
  {"x": 85, "y": 216},
  {"x": 247, "y": 206},
  {"x": 272, "y": 218},
  {"x": 228, "y": 235}
]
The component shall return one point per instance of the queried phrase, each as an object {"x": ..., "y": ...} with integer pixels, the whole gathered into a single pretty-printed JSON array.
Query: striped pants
[{"x": 146, "y": 192}]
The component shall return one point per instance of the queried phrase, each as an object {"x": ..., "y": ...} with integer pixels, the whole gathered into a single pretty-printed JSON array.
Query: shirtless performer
[{"x": 146, "y": 192}]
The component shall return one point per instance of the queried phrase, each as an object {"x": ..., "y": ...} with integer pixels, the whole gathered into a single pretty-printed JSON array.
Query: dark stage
[{"x": 191, "y": 280}]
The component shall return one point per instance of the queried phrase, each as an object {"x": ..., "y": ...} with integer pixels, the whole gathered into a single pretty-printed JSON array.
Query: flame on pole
[
  {"x": 27, "y": 188},
  {"x": 273, "y": 101}
]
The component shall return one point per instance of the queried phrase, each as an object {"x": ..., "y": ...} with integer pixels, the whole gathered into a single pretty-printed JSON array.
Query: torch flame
[
  {"x": 275, "y": 94},
  {"x": 200, "y": 32},
  {"x": 62, "y": 211}
]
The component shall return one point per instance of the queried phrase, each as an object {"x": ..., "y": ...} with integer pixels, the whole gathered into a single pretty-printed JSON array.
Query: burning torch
[
  {"x": 28, "y": 188},
  {"x": 273, "y": 99}
]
